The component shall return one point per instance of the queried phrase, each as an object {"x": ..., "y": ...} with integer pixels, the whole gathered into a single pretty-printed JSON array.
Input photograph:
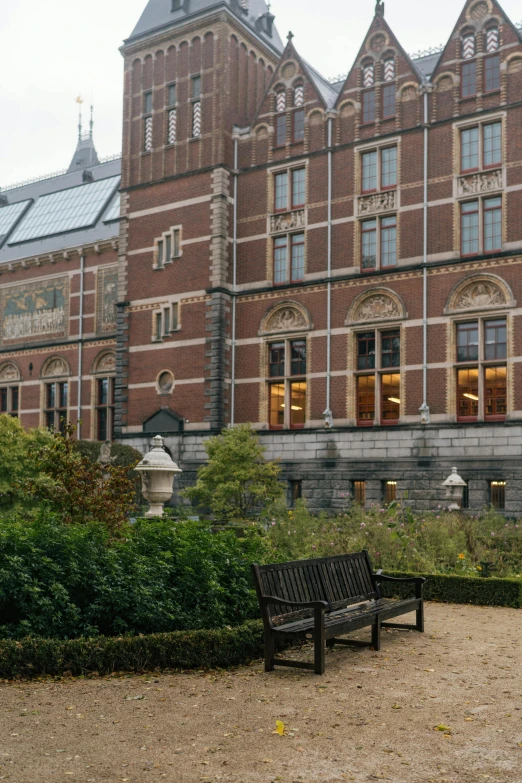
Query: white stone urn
[
  {"x": 157, "y": 475},
  {"x": 454, "y": 485}
]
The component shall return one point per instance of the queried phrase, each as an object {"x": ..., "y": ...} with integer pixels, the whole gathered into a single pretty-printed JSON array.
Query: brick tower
[{"x": 194, "y": 70}]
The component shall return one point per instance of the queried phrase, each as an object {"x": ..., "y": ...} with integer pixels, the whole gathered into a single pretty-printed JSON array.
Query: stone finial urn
[
  {"x": 454, "y": 490},
  {"x": 157, "y": 475}
]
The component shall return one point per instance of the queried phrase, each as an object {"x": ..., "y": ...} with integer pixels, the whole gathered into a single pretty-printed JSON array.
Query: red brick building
[{"x": 335, "y": 262}]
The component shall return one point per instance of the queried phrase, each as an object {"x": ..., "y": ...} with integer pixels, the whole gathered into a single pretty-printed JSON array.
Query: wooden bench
[{"x": 326, "y": 598}]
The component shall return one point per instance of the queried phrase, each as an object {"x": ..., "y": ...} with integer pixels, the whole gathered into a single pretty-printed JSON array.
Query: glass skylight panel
[
  {"x": 9, "y": 215},
  {"x": 66, "y": 210},
  {"x": 114, "y": 211}
]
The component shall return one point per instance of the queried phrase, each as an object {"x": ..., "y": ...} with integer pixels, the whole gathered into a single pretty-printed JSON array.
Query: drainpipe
[
  {"x": 234, "y": 284},
  {"x": 328, "y": 415},
  {"x": 424, "y": 409},
  {"x": 80, "y": 347}
]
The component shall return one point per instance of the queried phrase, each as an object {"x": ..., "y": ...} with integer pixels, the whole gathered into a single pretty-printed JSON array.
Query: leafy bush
[
  {"x": 121, "y": 457},
  {"x": 237, "y": 480},
  {"x": 450, "y": 588},
  {"x": 17, "y": 448},
  {"x": 66, "y": 581},
  {"x": 397, "y": 539}
]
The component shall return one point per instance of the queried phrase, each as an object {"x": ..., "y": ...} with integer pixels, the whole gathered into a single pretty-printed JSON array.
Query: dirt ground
[{"x": 372, "y": 716}]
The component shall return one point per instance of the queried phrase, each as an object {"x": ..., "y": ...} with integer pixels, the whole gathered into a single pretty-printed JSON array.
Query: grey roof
[
  {"x": 159, "y": 15},
  {"x": 98, "y": 230},
  {"x": 85, "y": 155},
  {"x": 426, "y": 65},
  {"x": 326, "y": 89}
]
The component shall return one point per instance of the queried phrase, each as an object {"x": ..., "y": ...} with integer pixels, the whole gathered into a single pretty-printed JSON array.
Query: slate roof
[
  {"x": 77, "y": 200},
  {"x": 159, "y": 15},
  {"x": 426, "y": 65}
]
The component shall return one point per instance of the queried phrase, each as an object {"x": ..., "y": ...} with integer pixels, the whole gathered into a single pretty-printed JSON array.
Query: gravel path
[{"x": 372, "y": 716}]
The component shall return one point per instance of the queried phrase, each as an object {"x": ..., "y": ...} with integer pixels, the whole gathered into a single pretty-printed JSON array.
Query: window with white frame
[
  {"x": 165, "y": 321},
  {"x": 167, "y": 248}
]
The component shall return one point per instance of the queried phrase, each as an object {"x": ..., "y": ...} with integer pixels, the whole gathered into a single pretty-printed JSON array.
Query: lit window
[
  {"x": 390, "y": 492},
  {"x": 482, "y": 389},
  {"x": 381, "y": 384},
  {"x": 287, "y": 396},
  {"x": 359, "y": 492},
  {"x": 497, "y": 494}
]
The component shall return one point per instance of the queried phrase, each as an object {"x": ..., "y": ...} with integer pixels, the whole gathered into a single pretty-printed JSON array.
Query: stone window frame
[
  {"x": 9, "y": 385},
  {"x": 164, "y": 325},
  {"x": 379, "y": 329},
  {"x": 302, "y": 229},
  {"x": 99, "y": 372},
  {"x": 46, "y": 379},
  {"x": 169, "y": 235},
  {"x": 287, "y": 379},
  {"x": 378, "y": 148},
  {"x": 481, "y": 318},
  {"x": 480, "y": 123}
]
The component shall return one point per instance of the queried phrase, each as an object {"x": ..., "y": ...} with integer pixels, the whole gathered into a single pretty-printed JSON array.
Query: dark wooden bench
[{"x": 326, "y": 598}]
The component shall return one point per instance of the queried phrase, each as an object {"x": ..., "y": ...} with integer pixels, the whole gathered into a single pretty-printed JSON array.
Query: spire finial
[
  {"x": 91, "y": 123},
  {"x": 290, "y": 35},
  {"x": 379, "y": 8},
  {"x": 79, "y": 101}
]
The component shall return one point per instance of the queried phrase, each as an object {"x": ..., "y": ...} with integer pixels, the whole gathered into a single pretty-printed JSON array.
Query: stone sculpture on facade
[
  {"x": 287, "y": 222},
  {"x": 377, "y": 307},
  {"x": 481, "y": 294},
  {"x": 286, "y": 319},
  {"x": 479, "y": 183},
  {"x": 9, "y": 372},
  {"x": 377, "y": 202}
]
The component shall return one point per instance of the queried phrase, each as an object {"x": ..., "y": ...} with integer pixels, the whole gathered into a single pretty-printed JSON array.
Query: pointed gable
[{"x": 382, "y": 79}]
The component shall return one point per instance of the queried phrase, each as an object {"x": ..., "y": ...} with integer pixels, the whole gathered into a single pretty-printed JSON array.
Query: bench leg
[
  {"x": 420, "y": 617},
  {"x": 330, "y": 643},
  {"x": 269, "y": 652},
  {"x": 319, "y": 642},
  {"x": 376, "y": 634}
]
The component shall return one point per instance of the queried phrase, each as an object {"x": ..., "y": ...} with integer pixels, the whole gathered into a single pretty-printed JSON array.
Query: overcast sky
[{"x": 53, "y": 50}]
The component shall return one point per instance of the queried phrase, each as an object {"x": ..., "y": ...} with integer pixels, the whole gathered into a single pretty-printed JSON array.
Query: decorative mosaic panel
[
  {"x": 172, "y": 126},
  {"x": 196, "y": 118},
  {"x": 468, "y": 47},
  {"x": 281, "y": 101},
  {"x": 106, "y": 298},
  {"x": 35, "y": 310},
  {"x": 368, "y": 75},
  {"x": 492, "y": 39},
  {"x": 299, "y": 95},
  {"x": 389, "y": 70},
  {"x": 147, "y": 142}
]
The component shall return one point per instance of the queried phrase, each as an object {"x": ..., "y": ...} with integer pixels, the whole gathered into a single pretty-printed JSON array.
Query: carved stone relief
[
  {"x": 56, "y": 368},
  {"x": 481, "y": 294},
  {"x": 479, "y": 183},
  {"x": 289, "y": 71},
  {"x": 106, "y": 363},
  {"x": 9, "y": 372},
  {"x": 288, "y": 221},
  {"x": 377, "y": 307},
  {"x": 286, "y": 319},
  {"x": 35, "y": 310},
  {"x": 378, "y": 43},
  {"x": 377, "y": 202},
  {"x": 479, "y": 11},
  {"x": 106, "y": 298}
]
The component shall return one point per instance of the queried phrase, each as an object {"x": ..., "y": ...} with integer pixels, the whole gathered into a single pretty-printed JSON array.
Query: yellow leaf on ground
[{"x": 280, "y": 728}]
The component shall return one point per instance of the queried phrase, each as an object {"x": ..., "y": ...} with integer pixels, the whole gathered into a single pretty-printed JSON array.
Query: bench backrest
[{"x": 340, "y": 581}]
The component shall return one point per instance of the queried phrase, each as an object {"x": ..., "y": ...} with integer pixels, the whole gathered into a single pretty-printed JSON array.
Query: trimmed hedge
[
  {"x": 103, "y": 655},
  {"x": 449, "y": 588}
]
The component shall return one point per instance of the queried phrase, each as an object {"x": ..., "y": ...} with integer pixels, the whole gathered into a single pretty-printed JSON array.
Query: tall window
[
  {"x": 171, "y": 114},
  {"x": 497, "y": 494},
  {"x": 196, "y": 106},
  {"x": 147, "y": 121},
  {"x": 389, "y": 492},
  {"x": 482, "y": 385},
  {"x": 469, "y": 79},
  {"x": 10, "y": 400},
  {"x": 298, "y": 125},
  {"x": 289, "y": 190},
  {"x": 167, "y": 248},
  {"x": 481, "y": 147},
  {"x": 388, "y": 101},
  {"x": 56, "y": 403},
  {"x": 368, "y": 101},
  {"x": 492, "y": 73},
  {"x": 295, "y": 491},
  {"x": 481, "y": 226},
  {"x": 280, "y": 120},
  {"x": 379, "y": 243},
  {"x": 378, "y": 392},
  {"x": 359, "y": 492},
  {"x": 289, "y": 258},
  {"x": 105, "y": 408},
  {"x": 379, "y": 169},
  {"x": 287, "y": 385}
]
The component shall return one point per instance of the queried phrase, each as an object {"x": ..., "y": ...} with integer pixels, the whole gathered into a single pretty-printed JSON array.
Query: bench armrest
[
  {"x": 418, "y": 581},
  {"x": 266, "y": 600}
]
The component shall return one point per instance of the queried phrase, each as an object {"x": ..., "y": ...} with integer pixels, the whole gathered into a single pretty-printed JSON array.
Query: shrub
[
  {"x": 66, "y": 581},
  {"x": 17, "y": 448},
  {"x": 237, "y": 478},
  {"x": 450, "y": 588},
  {"x": 121, "y": 457},
  {"x": 397, "y": 539}
]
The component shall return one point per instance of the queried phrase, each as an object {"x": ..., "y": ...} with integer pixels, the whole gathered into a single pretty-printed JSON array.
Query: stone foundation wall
[{"x": 327, "y": 463}]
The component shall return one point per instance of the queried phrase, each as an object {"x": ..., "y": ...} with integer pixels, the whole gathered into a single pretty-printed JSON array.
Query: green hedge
[
  {"x": 180, "y": 649},
  {"x": 449, "y": 588}
]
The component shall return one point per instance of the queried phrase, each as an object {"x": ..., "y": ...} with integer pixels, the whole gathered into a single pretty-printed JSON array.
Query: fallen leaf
[
  {"x": 442, "y": 727},
  {"x": 280, "y": 728}
]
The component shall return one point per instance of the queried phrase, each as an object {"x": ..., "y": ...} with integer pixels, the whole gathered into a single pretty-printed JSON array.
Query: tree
[
  {"x": 17, "y": 448},
  {"x": 78, "y": 489},
  {"x": 237, "y": 478}
]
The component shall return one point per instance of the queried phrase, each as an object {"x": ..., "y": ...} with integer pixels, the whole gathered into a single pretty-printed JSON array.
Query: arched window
[
  {"x": 469, "y": 69},
  {"x": 492, "y": 39},
  {"x": 492, "y": 61},
  {"x": 468, "y": 46},
  {"x": 389, "y": 88},
  {"x": 298, "y": 114},
  {"x": 280, "y": 122},
  {"x": 368, "y": 96},
  {"x": 104, "y": 372},
  {"x": 55, "y": 374}
]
